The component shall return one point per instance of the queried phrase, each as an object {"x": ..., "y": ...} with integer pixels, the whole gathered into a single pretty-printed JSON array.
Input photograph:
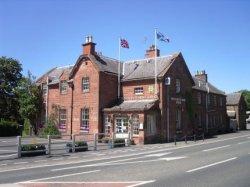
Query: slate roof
[
  {"x": 144, "y": 69},
  {"x": 203, "y": 86},
  {"x": 233, "y": 98},
  {"x": 133, "y": 70},
  {"x": 132, "y": 105}
]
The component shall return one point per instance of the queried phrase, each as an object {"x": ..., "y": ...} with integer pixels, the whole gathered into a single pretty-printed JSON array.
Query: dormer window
[
  {"x": 63, "y": 87},
  {"x": 138, "y": 90},
  {"x": 85, "y": 84}
]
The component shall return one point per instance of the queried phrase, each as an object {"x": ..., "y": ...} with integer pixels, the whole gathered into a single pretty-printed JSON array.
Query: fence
[{"x": 55, "y": 145}]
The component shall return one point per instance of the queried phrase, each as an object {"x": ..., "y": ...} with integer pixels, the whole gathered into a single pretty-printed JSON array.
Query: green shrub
[
  {"x": 50, "y": 128},
  {"x": 8, "y": 128},
  {"x": 26, "y": 128},
  {"x": 79, "y": 146},
  {"x": 119, "y": 142},
  {"x": 33, "y": 149}
]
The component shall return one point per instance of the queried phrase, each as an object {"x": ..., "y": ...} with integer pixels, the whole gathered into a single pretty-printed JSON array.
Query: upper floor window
[
  {"x": 138, "y": 90},
  {"x": 208, "y": 99},
  {"x": 63, "y": 87},
  {"x": 221, "y": 101},
  {"x": 85, "y": 84},
  {"x": 44, "y": 88},
  {"x": 62, "y": 119},
  {"x": 215, "y": 100},
  {"x": 84, "y": 120},
  {"x": 178, "y": 86},
  {"x": 199, "y": 98}
]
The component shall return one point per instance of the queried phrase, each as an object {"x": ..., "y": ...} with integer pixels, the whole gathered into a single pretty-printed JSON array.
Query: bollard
[
  {"x": 186, "y": 139},
  {"x": 203, "y": 137},
  {"x": 19, "y": 149},
  {"x": 49, "y": 146},
  {"x": 95, "y": 141},
  {"x": 175, "y": 140},
  {"x": 194, "y": 138},
  {"x": 129, "y": 139},
  {"x": 113, "y": 140},
  {"x": 73, "y": 137}
]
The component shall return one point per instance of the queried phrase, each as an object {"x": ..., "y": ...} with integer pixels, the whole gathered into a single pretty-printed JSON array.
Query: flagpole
[
  {"x": 156, "y": 92},
  {"x": 119, "y": 68}
]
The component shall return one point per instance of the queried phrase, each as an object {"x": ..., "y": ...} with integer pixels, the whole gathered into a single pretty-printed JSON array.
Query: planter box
[
  {"x": 80, "y": 146},
  {"x": 33, "y": 150}
]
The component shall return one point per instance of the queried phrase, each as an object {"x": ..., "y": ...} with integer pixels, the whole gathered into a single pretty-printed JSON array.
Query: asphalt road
[{"x": 221, "y": 161}]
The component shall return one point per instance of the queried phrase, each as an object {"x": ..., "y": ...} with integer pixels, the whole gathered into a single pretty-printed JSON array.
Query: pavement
[{"x": 221, "y": 161}]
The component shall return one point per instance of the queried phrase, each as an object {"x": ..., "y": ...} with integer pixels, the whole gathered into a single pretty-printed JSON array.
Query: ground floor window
[
  {"x": 84, "y": 120},
  {"x": 151, "y": 124},
  {"x": 62, "y": 119},
  {"x": 107, "y": 124},
  {"x": 121, "y": 125},
  {"x": 135, "y": 124}
]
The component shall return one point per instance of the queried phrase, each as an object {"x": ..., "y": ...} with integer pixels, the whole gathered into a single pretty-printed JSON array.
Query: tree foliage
[
  {"x": 30, "y": 100},
  {"x": 10, "y": 75},
  {"x": 246, "y": 94}
]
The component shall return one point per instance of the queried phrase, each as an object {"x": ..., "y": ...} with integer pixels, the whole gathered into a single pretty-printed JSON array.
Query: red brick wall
[
  {"x": 89, "y": 99},
  {"x": 128, "y": 89}
]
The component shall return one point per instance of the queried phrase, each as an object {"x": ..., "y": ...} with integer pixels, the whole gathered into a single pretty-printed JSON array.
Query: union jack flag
[{"x": 124, "y": 43}]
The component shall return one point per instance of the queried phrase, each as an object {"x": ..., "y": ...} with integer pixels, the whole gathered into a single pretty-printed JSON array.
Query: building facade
[
  {"x": 236, "y": 110},
  {"x": 145, "y": 104}
]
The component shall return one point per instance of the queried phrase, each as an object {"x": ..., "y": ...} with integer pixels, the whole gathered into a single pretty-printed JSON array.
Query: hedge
[{"x": 9, "y": 128}]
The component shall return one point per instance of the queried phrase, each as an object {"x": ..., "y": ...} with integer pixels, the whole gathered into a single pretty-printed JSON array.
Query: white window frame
[
  {"x": 123, "y": 127},
  {"x": 84, "y": 126},
  {"x": 135, "y": 125},
  {"x": 63, "y": 87},
  {"x": 44, "y": 88},
  {"x": 62, "y": 120},
  {"x": 85, "y": 84},
  {"x": 138, "y": 90},
  {"x": 107, "y": 124},
  {"x": 177, "y": 85}
]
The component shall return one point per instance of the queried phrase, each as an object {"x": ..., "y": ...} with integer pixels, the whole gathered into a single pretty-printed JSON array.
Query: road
[{"x": 221, "y": 161}]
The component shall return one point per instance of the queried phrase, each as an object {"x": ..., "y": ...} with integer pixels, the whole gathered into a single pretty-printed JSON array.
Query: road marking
[
  {"x": 8, "y": 155},
  {"x": 141, "y": 183},
  {"x": 172, "y": 158},
  {"x": 100, "y": 164},
  {"x": 73, "y": 157},
  {"x": 157, "y": 154},
  {"x": 216, "y": 163},
  {"x": 57, "y": 159},
  {"x": 216, "y": 148},
  {"x": 6, "y": 150},
  {"x": 244, "y": 142},
  {"x": 20, "y": 163},
  {"x": 3, "y": 164},
  {"x": 60, "y": 176},
  {"x": 41, "y": 161},
  {"x": 127, "y": 155}
]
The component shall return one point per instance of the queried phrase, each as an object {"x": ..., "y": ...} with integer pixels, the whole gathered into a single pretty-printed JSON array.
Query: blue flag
[{"x": 162, "y": 38}]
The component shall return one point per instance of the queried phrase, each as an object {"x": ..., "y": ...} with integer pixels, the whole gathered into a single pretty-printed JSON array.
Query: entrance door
[{"x": 121, "y": 124}]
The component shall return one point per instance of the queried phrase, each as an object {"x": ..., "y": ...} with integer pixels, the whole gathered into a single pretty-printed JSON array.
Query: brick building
[
  {"x": 236, "y": 110},
  {"x": 85, "y": 97}
]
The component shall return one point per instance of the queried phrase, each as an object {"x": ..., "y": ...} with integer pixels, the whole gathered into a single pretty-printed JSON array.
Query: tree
[
  {"x": 10, "y": 75},
  {"x": 246, "y": 94},
  {"x": 30, "y": 100}
]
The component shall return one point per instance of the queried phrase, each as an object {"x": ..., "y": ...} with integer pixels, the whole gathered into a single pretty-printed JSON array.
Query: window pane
[
  {"x": 62, "y": 119},
  {"x": 85, "y": 120}
]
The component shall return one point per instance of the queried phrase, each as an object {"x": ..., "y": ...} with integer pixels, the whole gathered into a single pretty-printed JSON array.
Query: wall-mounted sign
[
  {"x": 167, "y": 81},
  {"x": 178, "y": 100}
]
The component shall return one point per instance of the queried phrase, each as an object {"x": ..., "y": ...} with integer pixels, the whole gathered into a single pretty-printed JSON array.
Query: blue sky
[{"x": 212, "y": 35}]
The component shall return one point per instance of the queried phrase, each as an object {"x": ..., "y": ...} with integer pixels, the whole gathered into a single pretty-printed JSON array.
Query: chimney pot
[
  {"x": 201, "y": 75},
  {"x": 89, "y": 46}
]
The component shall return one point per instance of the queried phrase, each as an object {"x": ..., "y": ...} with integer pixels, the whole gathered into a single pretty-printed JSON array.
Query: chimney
[
  {"x": 201, "y": 75},
  {"x": 88, "y": 46},
  {"x": 150, "y": 53}
]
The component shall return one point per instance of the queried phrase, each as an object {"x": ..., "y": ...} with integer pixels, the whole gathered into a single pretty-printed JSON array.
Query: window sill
[
  {"x": 86, "y": 91},
  {"x": 138, "y": 93}
]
